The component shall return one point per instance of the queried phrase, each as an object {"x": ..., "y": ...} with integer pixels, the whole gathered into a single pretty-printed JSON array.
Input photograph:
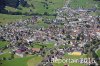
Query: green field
[
  {"x": 36, "y": 7},
  {"x": 7, "y": 55},
  {"x": 73, "y": 64},
  {"x": 98, "y": 52},
  {"x": 17, "y": 61},
  {"x": 46, "y": 44},
  {"x": 71, "y": 57},
  {"x": 5, "y": 18},
  {"x": 3, "y": 43},
  {"x": 40, "y": 24},
  {"x": 84, "y": 4},
  {"x": 34, "y": 61}
]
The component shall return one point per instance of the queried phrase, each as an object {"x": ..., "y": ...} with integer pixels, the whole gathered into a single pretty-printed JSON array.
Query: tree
[
  {"x": 4, "y": 58},
  {"x": 45, "y": 13},
  {"x": 2, "y": 4},
  {"x": 12, "y": 55}
]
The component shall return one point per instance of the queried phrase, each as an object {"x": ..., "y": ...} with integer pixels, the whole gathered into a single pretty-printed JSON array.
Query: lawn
[
  {"x": 40, "y": 23},
  {"x": 3, "y": 43},
  {"x": 39, "y": 6},
  {"x": 47, "y": 44},
  {"x": 83, "y": 4},
  {"x": 34, "y": 61},
  {"x": 26, "y": 61},
  {"x": 98, "y": 52},
  {"x": 5, "y": 18},
  {"x": 6, "y": 55},
  {"x": 17, "y": 61},
  {"x": 63, "y": 46}
]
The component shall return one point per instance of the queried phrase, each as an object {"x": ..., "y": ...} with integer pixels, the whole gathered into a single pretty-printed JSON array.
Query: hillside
[
  {"x": 39, "y": 7},
  {"x": 28, "y": 7},
  {"x": 22, "y": 9}
]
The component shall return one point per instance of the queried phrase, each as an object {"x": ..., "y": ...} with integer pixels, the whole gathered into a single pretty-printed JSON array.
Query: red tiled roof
[{"x": 36, "y": 49}]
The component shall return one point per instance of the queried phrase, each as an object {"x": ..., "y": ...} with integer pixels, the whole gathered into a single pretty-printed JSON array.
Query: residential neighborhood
[{"x": 73, "y": 34}]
